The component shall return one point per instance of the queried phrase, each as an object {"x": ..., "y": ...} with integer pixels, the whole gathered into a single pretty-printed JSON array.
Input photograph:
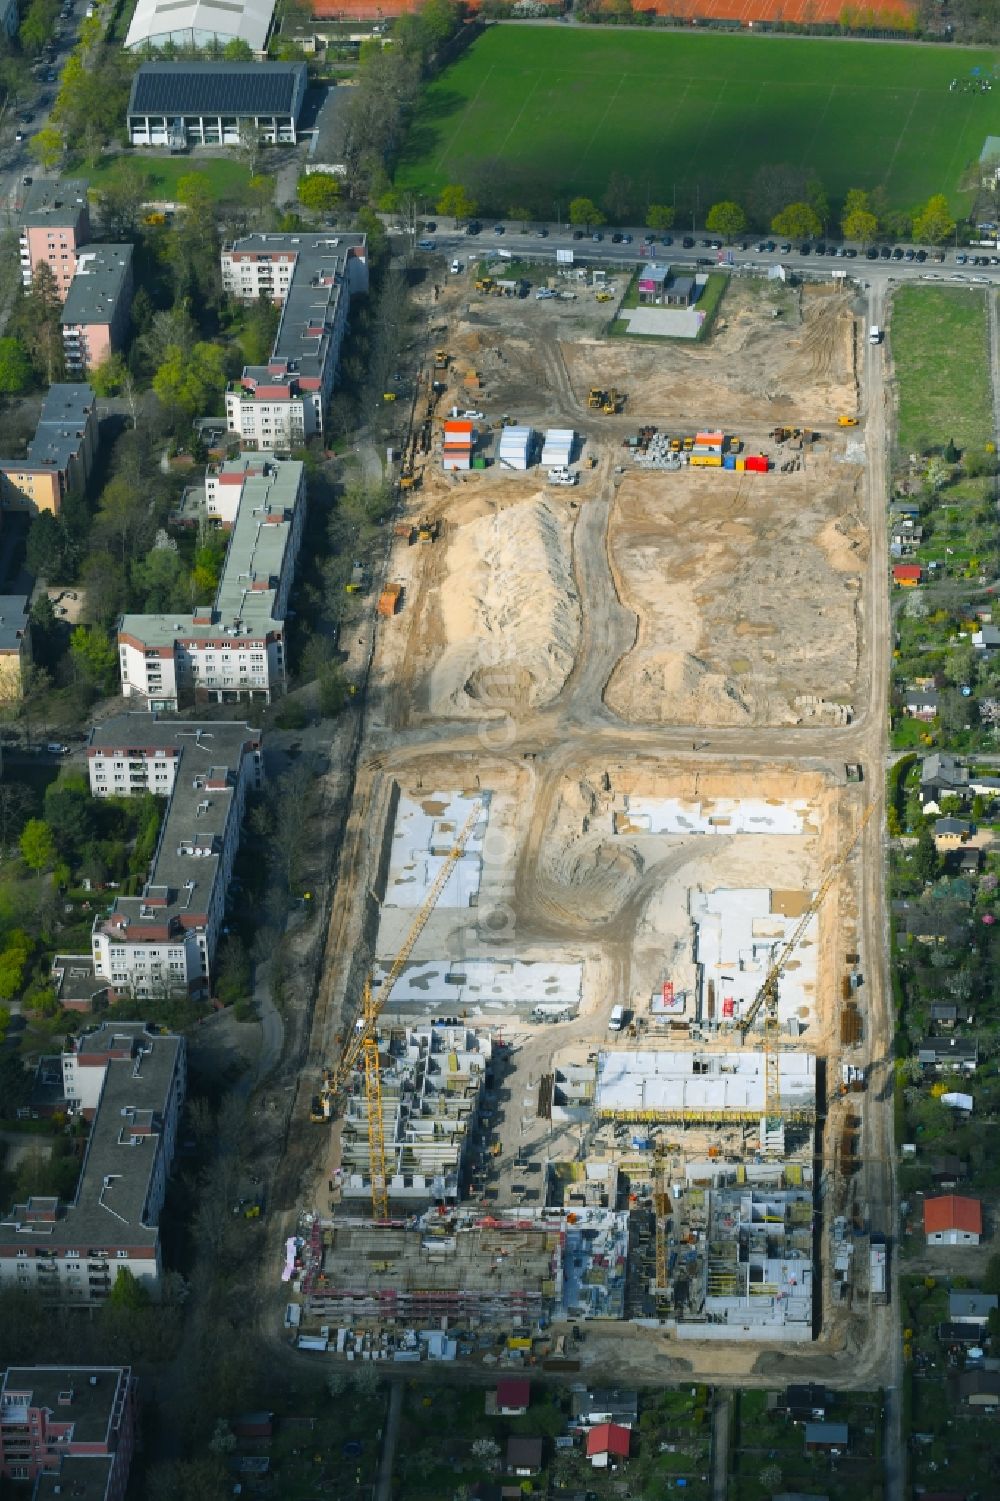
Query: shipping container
[
  {"x": 758, "y": 463},
  {"x": 708, "y": 440},
  {"x": 706, "y": 460},
  {"x": 729, "y": 462},
  {"x": 741, "y": 464},
  {"x": 388, "y": 600}
]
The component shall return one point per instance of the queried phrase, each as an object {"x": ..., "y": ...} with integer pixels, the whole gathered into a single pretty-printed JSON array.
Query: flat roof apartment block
[
  {"x": 163, "y": 942},
  {"x": 313, "y": 276},
  {"x": 234, "y": 648},
  {"x": 53, "y": 224},
  {"x": 210, "y": 103},
  {"x": 95, "y": 315},
  {"x": 15, "y": 645},
  {"x": 60, "y": 456},
  {"x": 130, "y": 1082},
  {"x": 71, "y": 1429}
]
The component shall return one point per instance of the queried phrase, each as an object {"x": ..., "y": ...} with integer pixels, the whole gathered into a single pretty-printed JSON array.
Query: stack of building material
[
  {"x": 557, "y": 450},
  {"x": 515, "y": 447},
  {"x": 458, "y": 443}
]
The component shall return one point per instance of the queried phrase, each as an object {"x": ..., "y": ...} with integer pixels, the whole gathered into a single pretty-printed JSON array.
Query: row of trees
[{"x": 784, "y": 200}]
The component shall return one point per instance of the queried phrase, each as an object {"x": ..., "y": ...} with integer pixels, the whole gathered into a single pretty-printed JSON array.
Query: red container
[{"x": 757, "y": 463}]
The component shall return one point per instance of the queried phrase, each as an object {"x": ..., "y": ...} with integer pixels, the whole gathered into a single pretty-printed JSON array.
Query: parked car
[
  {"x": 687, "y": 242},
  {"x": 499, "y": 229},
  {"x": 578, "y": 234},
  {"x": 427, "y": 244},
  {"x": 667, "y": 240}
]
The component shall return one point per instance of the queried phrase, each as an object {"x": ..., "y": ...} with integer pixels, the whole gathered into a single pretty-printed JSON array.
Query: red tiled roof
[
  {"x": 609, "y": 1438},
  {"x": 907, "y": 571},
  {"x": 952, "y": 1212},
  {"x": 513, "y": 1391}
]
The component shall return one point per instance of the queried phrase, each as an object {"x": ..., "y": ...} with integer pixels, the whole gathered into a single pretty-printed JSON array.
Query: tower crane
[
  {"x": 361, "y": 1045},
  {"x": 767, "y": 995}
]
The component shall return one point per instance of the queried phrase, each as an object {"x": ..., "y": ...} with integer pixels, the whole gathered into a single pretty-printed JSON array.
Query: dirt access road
[{"x": 410, "y": 729}]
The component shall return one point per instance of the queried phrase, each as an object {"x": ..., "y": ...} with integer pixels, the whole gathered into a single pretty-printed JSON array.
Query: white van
[{"x": 617, "y": 1020}]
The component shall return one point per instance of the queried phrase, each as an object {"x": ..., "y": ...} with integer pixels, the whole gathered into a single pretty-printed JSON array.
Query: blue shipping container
[{"x": 729, "y": 461}]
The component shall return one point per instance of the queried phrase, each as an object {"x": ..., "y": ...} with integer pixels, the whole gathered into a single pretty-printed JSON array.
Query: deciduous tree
[
  {"x": 38, "y": 847},
  {"x": 318, "y": 192},
  {"x": 456, "y": 202},
  {"x": 934, "y": 223},
  {"x": 584, "y": 213},
  {"x": 799, "y": 221},
  {"x": 660, "y": 216},
  {"x": 726, "y": 218},
  {"x": 15, "y": 368}
]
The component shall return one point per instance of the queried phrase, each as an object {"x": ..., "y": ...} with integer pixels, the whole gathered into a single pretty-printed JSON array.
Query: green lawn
[
  {"x": 227, "y": 176},
  {"x": 941, "y": 355},
  {"x": 554, "y": 112}
]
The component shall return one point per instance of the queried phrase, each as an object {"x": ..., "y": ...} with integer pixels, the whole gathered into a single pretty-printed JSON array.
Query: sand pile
[{"x": 509, "y": 609}]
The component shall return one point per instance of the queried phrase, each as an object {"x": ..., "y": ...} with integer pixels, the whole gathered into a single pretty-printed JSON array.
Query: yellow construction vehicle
[
  {"x": 604, "y": 296},
  {"x": 736, "y": 445},
  {"x": 484, "y": 284},
  {"x": 441, "y": 358},
  {"x": 427, "y": 531},
  {"x": 388, "y": 396},
  {"x": 596, "y": 399},
  {"x": 613, "y": 402},
  {"x": 767, "y": 995},
  {"x": 361, "y": 1046},
  {"x": 844, "y": 421}
]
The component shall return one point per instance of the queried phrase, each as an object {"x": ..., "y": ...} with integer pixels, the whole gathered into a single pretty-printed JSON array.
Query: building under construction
[
  {"x": 700, "y": 1087},
  {"x": 432, "y": 1077},
  {"x": 461, "y": 1273},
  {"x": 741, "y": 1263}
]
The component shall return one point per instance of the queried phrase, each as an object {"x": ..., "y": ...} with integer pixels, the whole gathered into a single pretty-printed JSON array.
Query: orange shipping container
[
  {"x": 388, "y": 600},
  {"x": 708, "y": 440}
]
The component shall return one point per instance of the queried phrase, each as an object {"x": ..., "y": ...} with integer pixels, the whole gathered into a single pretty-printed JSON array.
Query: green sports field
[{"x": 558, "y": 110}]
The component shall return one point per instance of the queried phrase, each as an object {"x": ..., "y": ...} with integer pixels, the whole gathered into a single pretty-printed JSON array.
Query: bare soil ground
[{"x": 746, "y": 587}]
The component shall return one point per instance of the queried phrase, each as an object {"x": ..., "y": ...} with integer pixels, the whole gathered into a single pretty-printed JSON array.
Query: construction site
[{"x": 601, "y": 1013}]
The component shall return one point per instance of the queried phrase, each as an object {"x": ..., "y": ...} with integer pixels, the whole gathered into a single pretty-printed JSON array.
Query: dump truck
[
  {"x": 428, "y": 530},
  {"x": 845, "y": 421},
  {"x": 441, "y": 358},
  {"x": 596, "y": 399}
]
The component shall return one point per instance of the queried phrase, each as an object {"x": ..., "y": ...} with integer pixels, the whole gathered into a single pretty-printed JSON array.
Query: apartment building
[
  {"x": 163, "y": 942},
  {"x": 15, "y": 645},
  {"x": 129, "y": 1080},
  {"x": 60, "y": 456},
  {"x": 313, "y": 277},
  {"x": 70, "y": 1429},
  {"x": 55, "y": 222},
  {"x": 95, "y": 315},
  {"x": 233, "y": 649}
]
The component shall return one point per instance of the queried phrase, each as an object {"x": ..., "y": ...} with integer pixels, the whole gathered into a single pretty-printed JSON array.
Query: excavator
[
  {"x": 767, "y": 995},
  {"x": 361, "y": 1046}
]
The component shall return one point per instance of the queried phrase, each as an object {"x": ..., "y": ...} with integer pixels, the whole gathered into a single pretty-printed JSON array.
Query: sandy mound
[{"x": 509, "y": 609}]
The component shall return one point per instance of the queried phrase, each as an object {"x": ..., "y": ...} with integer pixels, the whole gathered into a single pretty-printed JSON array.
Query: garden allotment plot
[{"x": 564, "y": 110}]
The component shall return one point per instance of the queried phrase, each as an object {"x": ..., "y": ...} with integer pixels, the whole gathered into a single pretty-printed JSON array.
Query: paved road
[
  {"x": 720, "y": 1445},
  {"x": 450, "y": 242},
  {"x": 383, "y": 1485}
]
